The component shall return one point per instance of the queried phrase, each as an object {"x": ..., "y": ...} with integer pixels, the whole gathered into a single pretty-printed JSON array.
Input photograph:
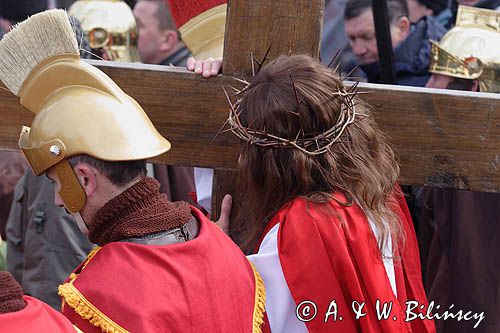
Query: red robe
[
  {"x": 35, "y": 317},
  {"x": 324, "y": 260},
  {"x": 203, "y": 285}
]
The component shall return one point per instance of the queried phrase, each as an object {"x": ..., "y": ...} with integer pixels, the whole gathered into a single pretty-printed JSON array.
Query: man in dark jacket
[
  {"x": 159, "y": 40},
  {"x": 443, "y": 11},
  {"x": 43, "y": 241},
  {"x": 410, "y": 42}
]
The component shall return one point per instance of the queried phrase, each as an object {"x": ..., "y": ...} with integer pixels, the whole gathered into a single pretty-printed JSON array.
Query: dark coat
[
  {"x": 44, "y": 244},
  {"x": 463, "y": 265},
  {"x": 412, "y": 56}
]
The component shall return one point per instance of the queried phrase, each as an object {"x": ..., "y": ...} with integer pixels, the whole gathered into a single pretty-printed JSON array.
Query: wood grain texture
[
  {"x": 444, "y": 138},
  {"x": 288, "y": 27},
  {"x": 185, "y": 108},
  {"x": 253, "y": 29}
]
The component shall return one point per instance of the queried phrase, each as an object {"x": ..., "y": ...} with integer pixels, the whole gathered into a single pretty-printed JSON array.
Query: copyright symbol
[{"x": 306, "y": 311}]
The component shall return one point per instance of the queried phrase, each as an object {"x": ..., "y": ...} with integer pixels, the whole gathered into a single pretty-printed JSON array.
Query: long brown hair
[{"x": 293, "y": 95}]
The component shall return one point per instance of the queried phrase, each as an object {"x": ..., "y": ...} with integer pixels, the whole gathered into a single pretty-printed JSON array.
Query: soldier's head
[
  {"x": 360, "y": 27},
  {"x": 100, "y": 181},
  {"x": 466, "y": 58},
  {"x": 158, "y": 35},
  {"x": 87, "y": 135},
  {"x": 110, "y": 28}
]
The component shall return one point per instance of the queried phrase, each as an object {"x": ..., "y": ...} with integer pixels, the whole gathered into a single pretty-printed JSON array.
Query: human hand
[
  {"x": 207, "y": 68},
  {"x": 225, "y": 212}
]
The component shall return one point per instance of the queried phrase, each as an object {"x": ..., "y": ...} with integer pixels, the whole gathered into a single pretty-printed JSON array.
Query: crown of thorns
[{"x": 310, "y": 144}]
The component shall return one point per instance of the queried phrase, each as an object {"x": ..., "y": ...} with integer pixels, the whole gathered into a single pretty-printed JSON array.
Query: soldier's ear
[{"x": 87, "y": 176}]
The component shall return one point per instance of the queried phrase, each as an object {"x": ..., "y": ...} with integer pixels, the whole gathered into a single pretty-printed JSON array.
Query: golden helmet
[
  {"x": 110, "y": 28},
  {"x": 471, "y": 50},
  {"x": 78, "y": 109},
  {"x": 202, "y": 25}
]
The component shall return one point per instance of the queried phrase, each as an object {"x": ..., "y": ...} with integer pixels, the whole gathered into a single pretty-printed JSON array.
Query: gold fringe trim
[
  {"x": 260, "y": 302},
  {"x": 87, "y": 310},
  {"x": 91, "y": 255}
]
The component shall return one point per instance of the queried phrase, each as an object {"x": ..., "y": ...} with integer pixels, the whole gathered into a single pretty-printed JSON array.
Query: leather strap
[{"x": 184, "y": 233}]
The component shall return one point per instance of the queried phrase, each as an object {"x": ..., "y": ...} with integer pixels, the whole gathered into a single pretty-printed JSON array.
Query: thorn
[
  {"x": 245, "y": 82},
  {"x": 334, "y": 58},
  {"x": 252, "y": 60},
  {"x": 351, "y": 71},
  {"x": 237, "y": 91},
  {"x": 263, "y": 59},
  {"x": 296, "y": 93}
]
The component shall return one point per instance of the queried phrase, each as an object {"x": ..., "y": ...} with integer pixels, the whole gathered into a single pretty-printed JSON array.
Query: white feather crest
[{"x": 30, "y": 42}]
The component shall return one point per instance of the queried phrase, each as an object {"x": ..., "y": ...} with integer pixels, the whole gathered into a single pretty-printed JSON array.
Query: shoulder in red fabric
[
  {"x": 35, "y": 317},
  {"x": 203, "y": 285},
  {"x": 329, "y": 255}
]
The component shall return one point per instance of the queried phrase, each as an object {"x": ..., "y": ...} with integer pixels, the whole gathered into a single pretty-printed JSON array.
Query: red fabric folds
[
  {"x": 204, "y": 285},
  {"x": 184, "y": 10},
  {"x": 35, "y": 317},
  {"x": 326, "y": 260}
]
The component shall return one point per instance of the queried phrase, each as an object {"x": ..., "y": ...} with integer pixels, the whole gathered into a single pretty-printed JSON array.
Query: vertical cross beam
[{"x": 283, "y": 27}]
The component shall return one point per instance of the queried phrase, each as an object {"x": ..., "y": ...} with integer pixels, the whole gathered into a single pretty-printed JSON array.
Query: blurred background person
[
  {"x": 110, "y": 28},
  {"x": 334, "y": 41},
  {"x": 159, "y": 40},
  {"x": 442, "y": 10},
  {"x": 411, "y": 43},
  {"x": 12, "y": 166}
]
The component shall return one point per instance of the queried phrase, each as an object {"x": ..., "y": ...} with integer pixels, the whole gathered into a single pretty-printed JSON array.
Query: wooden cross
[{"x": 443, "y": 138}]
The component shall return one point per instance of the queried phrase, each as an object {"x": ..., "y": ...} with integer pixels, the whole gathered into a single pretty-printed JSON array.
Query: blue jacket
[{"x": 412, "y": 55}]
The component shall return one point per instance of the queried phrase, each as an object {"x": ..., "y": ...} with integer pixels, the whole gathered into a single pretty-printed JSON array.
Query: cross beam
[{"x": 443, "y": 138}]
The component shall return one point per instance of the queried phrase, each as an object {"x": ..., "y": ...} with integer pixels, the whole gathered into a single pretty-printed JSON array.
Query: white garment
[
  {"x": 203, "y": 179},
  {"x": 280, "y": 305}
]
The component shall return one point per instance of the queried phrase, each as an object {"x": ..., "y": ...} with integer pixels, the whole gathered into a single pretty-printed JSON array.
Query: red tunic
[
  {"x": 203, "y": 285},
  {"x": 35, "y": 317},
  {"x": 324, "y": 260}
]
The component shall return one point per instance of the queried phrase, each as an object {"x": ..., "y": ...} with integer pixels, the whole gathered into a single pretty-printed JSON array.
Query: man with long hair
[{"x": 321, "y": 206}]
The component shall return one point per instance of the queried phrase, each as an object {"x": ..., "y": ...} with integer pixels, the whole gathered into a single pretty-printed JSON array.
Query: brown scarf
[
  {"x": 138, "y": 211},
  {"x": 11, "y": 294}
]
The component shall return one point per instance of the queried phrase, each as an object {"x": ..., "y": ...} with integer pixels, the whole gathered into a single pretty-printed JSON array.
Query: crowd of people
[{"x": 129, "y": 246}]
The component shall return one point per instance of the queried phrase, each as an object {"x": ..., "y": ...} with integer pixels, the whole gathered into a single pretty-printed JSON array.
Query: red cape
[
  {"x": 204, "y": 285},
  {"x": 324, "y": 260},
  {"x": 35, "y": 317}
]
